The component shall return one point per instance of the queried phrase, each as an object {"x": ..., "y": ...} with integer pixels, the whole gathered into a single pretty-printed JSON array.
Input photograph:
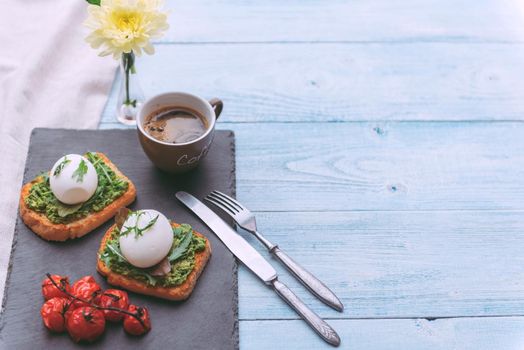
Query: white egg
[
  {"x": 69, "y": 188},
  {"x": 152, "y": 245}
]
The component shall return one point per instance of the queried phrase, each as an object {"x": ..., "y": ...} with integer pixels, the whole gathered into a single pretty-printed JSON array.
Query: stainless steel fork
[{"x": 246, "y": 219}]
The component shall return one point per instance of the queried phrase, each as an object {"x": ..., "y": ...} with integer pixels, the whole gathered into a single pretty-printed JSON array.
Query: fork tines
[{"x": 224, "y": 202}]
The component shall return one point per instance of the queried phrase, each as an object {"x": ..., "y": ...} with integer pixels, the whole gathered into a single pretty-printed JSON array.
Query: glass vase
[{"x": 130, "y": 96}]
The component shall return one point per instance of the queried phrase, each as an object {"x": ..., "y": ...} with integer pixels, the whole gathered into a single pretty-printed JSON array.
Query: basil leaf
[
  {"x": 182, "y": 247},
  {"x": 64, "y": 210},
  {"x": 94, "y": 2}
]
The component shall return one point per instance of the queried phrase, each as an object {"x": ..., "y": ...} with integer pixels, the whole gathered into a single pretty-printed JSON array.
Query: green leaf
[
  {"x": 140, "y": 232},
  {"x": 61, "y": 166},
  {"x": 80, "y": 171},
  {"x": 137, "y": 230},
  {"x": 113, "y": 247},
  {"x": 64, "y": 210},
  {"x": 182, "y": 247},
  {"x": 151, "y": 279},
  {"x": 104, "y": 171},
  {"x": 177, "y": 231},
  {"x": 94, "y": 2},
  {"x": 94, "y": 197},
  {"x": 186, "y": 227}
]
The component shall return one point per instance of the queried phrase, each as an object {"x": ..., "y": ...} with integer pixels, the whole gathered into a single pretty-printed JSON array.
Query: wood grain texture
[
  {"x": 401, "y": 219},
  {"x": 343, "y": 82},
  {"x": 380, "y": 166},
  {"x": 445, "y": 334},
  {"x": 396, "y": 264},
  {"x": 344, "y": 20}
]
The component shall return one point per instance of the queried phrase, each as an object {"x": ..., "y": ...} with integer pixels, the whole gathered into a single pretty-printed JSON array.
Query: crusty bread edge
[
  {"x": 180, "y": 292},
  {"x": 43, "y": 227}
]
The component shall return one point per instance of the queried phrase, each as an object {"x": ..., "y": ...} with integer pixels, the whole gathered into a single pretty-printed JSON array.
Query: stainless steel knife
[{"x": 258, "y": 265}]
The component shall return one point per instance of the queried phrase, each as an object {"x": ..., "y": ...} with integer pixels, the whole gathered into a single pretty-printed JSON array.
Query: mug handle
[{"x": 217, "y": 105}]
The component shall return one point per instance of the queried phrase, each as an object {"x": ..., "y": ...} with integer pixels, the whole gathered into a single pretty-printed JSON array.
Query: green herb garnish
[
  {"x": 61, "y": 166},
  {"x": 80, "y": 171},
  {"x": 42, "y": 200},
  {"x": 137, "y": 230},
  {"x": 182, "y": 258},
  {"x": 113, "y": 246},
  {"x": 184, "y": 243}
]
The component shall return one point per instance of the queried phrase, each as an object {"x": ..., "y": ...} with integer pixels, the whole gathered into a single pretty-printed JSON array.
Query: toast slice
[
  {"x": 180, "y": 292},
  {"x": 50, "y": 231}
]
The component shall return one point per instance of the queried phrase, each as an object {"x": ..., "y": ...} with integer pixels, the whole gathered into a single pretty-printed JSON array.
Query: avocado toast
[
  {"x": 187, "y": 258},
  {"x": 52, "y": 220}
]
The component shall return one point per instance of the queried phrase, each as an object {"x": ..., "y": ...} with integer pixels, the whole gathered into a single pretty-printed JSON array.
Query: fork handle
[
  {"x": 316, "y": 286},
  {"x": 319, "y": 325}
]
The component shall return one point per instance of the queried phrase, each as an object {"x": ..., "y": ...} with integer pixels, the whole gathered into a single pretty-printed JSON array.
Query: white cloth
[{"x": 49, "y": 77}]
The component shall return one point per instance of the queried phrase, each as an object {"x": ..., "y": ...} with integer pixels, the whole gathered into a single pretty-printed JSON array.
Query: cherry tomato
[
  {"x": 86, "y": 288},
  {"x": 86, "y": 279},
  {"x": 50, "y": 291},
  {"x": 114, "y": 298},
  {"x": 55, "y": 312},
  {"x": 86, "y": 324},
  {"x": 132, "y": 325}
]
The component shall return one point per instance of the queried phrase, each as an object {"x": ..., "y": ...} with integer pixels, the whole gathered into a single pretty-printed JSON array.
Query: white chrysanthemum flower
[{"x": 122, "y": 26}]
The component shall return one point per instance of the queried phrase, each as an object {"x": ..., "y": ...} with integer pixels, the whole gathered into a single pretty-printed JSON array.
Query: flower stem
[
  {"x": 128, "y": 61},
  {"x": 127, "y": 86}
]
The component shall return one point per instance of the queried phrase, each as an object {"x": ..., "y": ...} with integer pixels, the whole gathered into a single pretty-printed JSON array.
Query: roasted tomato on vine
[
  {"x": 49, "y": 290},
  {"x": 132, "y": 325},
  {"x": 114, "y": 298},
  {"x": 87, "y": 289},
  {"x": 86, "y": 324},
  {"x": 86, "y": 279},
  {"x": 55, "y": 313}
]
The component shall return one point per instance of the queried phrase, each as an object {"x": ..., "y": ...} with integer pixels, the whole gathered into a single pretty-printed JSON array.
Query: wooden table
[{"x": 381, "y": 144}]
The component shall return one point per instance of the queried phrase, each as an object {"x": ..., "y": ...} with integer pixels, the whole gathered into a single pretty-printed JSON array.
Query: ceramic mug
[{"x": 178, "y": 157}]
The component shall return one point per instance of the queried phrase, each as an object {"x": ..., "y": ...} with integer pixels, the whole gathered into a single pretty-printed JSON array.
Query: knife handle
[
  {"x": 316, "y": 286},
  {"x": 319, "y": 325}
]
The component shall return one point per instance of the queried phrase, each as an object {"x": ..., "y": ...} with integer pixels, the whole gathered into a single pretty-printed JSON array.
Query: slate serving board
[{"x": 207, "y": 320}]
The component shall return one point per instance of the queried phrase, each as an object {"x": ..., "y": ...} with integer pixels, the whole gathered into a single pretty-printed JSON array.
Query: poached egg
[
  {"x": 72, "y": 182},
  {"x": 151, "y": 245}
]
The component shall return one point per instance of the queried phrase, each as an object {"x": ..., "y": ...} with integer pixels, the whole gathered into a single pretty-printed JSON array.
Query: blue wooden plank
[
  {"x": 343, "y": 82},
  {"x": 446, "y": 334},
  {"x": 396, "y": 264},
  {"x": 380, "y": 166},
  {"x": 344, "y": 20}
]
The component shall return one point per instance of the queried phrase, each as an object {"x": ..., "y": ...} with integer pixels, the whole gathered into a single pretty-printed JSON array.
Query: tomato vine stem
[{"x": 90, "y": 303}]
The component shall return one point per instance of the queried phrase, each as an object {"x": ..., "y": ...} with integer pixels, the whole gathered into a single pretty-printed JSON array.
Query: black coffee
[{"x": 175, "y": 124}]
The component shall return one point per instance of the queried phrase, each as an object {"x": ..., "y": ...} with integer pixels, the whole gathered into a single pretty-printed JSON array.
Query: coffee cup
[{"x": 178, "y": 157}]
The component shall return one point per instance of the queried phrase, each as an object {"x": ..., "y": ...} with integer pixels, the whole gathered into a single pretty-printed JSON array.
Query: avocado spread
[
  {"x": 181, "y": 257},
  {"x": 41, "y": 199}
]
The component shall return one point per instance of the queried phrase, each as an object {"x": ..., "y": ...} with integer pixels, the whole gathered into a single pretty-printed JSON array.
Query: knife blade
[
  {"x": 233, "y": 241},
  {"x": 258, "y": 265}
]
